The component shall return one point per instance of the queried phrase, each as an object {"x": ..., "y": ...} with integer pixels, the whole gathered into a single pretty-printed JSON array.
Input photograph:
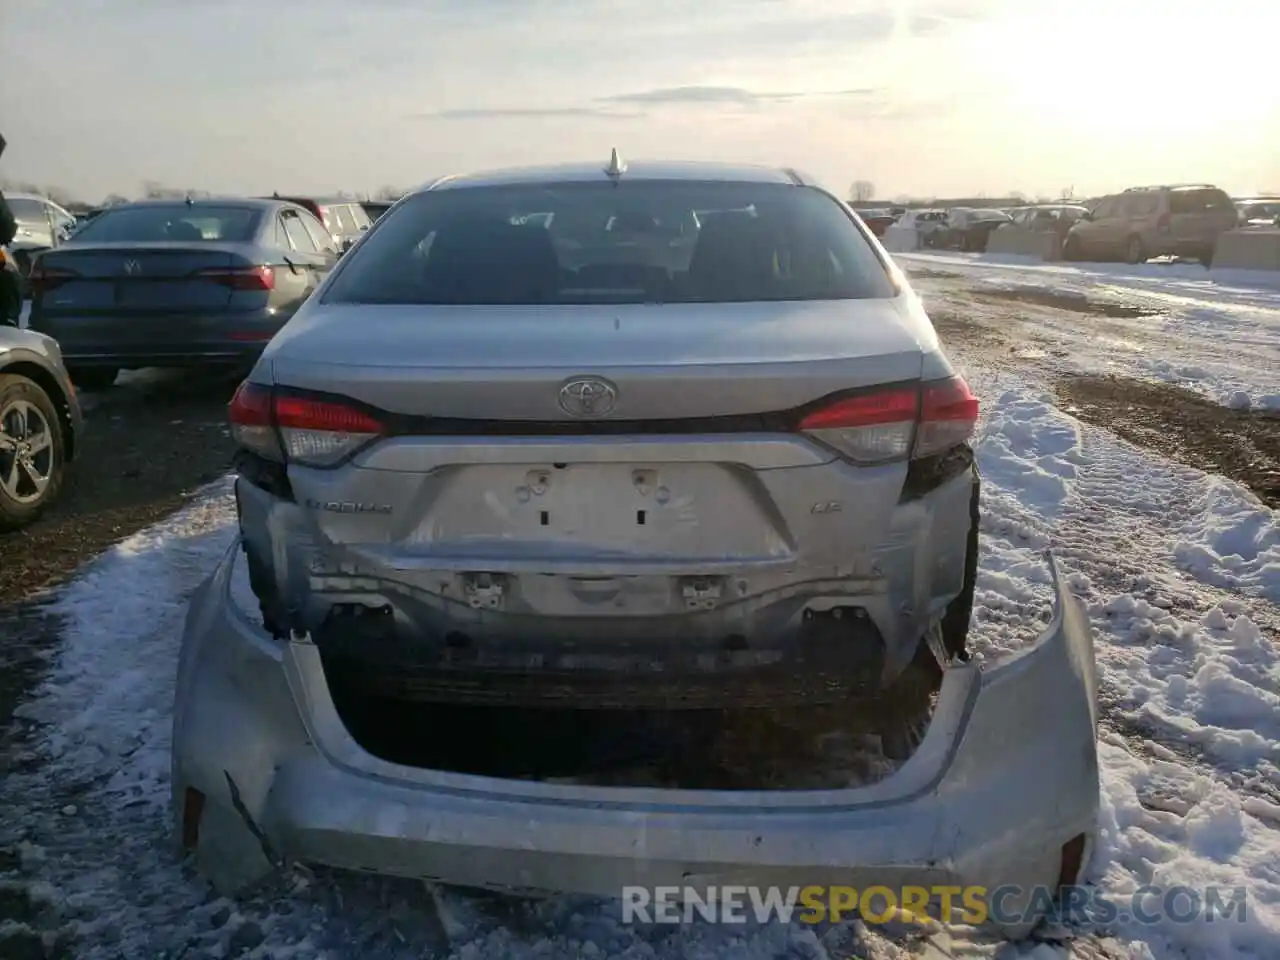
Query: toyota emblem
[
  {"x": 588, "y": 397},
  {"x": 132, "y": 267}
]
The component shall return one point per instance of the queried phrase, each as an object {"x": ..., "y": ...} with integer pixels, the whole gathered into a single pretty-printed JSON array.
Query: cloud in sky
[{"x": 924, "y": 96}]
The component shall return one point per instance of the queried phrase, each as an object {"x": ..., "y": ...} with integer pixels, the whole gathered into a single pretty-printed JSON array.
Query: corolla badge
[
  {"x": 588, "y": 397},
  {"x": 347, "y": 506}
]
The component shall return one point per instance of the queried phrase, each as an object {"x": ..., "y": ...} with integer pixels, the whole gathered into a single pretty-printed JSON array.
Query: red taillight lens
[
  {"x": 868, "y": 428},
  {"x": 948, "y": 415},
  {"x": 299, "y": 428},
  {"x": 892, "y": 424},
  {"x": 242, "y": 278},
  {"x": 43, "y": 279},
  {"x": 251, "y": 421}
]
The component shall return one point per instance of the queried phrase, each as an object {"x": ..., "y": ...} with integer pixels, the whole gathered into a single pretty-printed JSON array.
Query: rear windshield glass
[
  {"x": 1265, "y": 210},
  {"x": 178, "y": 223},
  {"x": 26, "y": 210},
  {"x": 639, "y": 242}
]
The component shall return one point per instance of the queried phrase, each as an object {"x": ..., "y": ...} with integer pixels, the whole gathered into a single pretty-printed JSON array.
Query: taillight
[
  {"x": 297, "y": 427},
  {"x": 948, "y": 414},
  {"x": 43, "y": 279},
  {"x": 260, "y": 277},
  {"x": 252, "y": 426},
  {"x": 867, "y": 428},
  {"x": 323, "y": 214},
  {"x": 898, "y": 422}
]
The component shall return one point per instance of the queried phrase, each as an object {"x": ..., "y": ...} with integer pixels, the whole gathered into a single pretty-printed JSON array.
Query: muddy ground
[
  {"x": 1183, "y": 426},
  {"x": 1167, "y": 419}
]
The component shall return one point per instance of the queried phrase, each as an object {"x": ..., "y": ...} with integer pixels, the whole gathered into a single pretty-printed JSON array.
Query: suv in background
[
  {"x": 1182, "y": 220},
  {"x": 346, "y": 220}
]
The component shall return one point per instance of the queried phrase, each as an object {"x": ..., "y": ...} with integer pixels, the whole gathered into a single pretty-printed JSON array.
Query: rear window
[
  {"x": 27, "y": 210},
  {"x": 176, "y": 223},
  {"x": 1261, "y": 211},
  {"x": 639, "y": 242},
  {"x": 1206, "y": 200}
]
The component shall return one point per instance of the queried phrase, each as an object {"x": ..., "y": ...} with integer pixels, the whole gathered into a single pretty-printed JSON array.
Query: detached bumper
[{"x": 263, "y": 771}]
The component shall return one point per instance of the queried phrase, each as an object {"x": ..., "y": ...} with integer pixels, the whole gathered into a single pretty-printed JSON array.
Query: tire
[
  {"x": 1133, "y": 252},
  {"x": 93, "y": 378},
  {"x": 29, "y": 479}
]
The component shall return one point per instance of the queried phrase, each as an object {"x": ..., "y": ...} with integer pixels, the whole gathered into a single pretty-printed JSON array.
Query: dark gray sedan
[{"x": 174, "y": 284}]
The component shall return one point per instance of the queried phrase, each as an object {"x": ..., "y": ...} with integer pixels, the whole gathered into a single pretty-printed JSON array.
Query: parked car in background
[
  {"x": 42, "y": 224},
  {"x": 877, "y": 221},
  {"x": 376, "y": 208},
  {"x": 967, "y": 229},
  {"x": 926, "y": 224},
  {"x": 1056, "y": 218},
  {"x": 1183, "y": 220},
  {"x": 1259, "y": 212},
  {"x": 40, "y": 423},
  {"x": 173, "y": 283},
  {"x": 346, "y": 220}
]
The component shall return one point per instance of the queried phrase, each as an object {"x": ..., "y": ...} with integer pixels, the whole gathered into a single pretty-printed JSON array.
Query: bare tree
[
  {"x": 113, "y": 199},
  {"x": 861, "y": 191}
]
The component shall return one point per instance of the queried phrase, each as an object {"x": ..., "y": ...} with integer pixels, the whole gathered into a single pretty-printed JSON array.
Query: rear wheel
[
  {"x": 32, "y": 453},
  {"x": 93, "y": 378}
]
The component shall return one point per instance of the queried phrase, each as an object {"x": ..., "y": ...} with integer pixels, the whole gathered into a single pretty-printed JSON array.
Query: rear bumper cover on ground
[{"x": 1006, "y": 776}]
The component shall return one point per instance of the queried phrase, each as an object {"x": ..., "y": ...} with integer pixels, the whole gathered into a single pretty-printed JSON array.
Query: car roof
[
  {"x": 636, "y": 170},
  {"x": 254, "y": 202},
  {"x": 26, "y": 196}
]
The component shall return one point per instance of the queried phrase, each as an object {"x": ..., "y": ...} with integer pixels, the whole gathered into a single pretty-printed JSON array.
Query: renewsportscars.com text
[{"x": 972, "y": 906}]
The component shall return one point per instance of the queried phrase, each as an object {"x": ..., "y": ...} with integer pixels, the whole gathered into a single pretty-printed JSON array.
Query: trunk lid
[
  {"x": 128, "y": 278},
  {"x": 666, "y": 362},
  {"x": 557, "y": 509}
]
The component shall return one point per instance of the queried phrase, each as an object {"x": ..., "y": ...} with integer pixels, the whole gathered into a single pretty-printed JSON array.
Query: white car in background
[{"x": 42, "y": 224}]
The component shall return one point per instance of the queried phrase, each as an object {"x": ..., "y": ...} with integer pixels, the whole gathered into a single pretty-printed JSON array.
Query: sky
[{"x": 919, "y": 97}]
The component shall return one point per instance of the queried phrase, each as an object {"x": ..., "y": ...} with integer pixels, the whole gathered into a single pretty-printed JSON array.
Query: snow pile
[{"x": 1231, "y": 541}]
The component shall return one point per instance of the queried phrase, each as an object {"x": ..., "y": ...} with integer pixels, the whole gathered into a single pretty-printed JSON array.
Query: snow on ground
[
  {"x": 1181, "y": 575},
  {"x": 1222, "y": 341},
  {"x": 1190, "y": 670}
]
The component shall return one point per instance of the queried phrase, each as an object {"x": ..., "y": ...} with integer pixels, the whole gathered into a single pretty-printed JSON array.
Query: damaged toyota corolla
[{"x": 617, "y": 440}]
